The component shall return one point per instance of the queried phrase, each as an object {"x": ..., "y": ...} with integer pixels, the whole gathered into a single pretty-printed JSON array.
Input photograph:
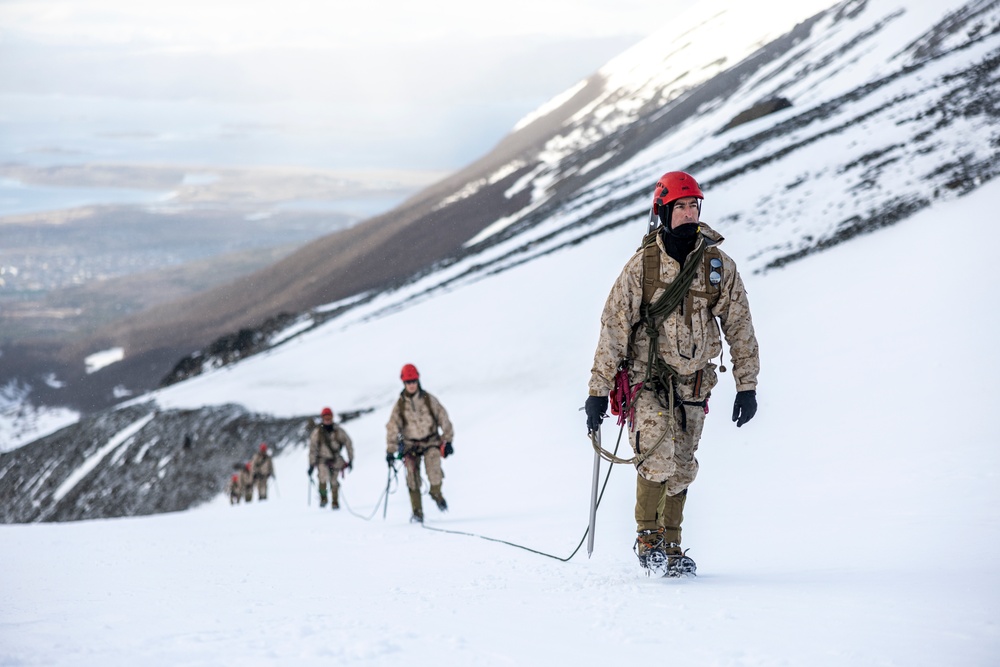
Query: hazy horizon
[{"x": 290, "y": 84}]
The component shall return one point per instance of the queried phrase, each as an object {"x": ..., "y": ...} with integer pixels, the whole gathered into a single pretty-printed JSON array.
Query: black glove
[
  {"x": 745, "y": 406},
  {"x": 350, "y": 465},
  {"x": 390, "y": 457},
  {"x": 595, "y": 406},
  {"x": 448, "y": 450},
  {"x": 311, "y": 471}
]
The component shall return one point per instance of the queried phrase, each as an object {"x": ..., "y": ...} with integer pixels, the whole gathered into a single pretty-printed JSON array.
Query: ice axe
[
  {"x": 596, "y": 435},
  {"x": 388, "y": 481}
]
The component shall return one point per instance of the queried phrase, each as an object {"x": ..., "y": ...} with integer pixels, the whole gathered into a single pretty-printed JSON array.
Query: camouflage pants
[
  {"x": 672, "y": 460},
  {"x": 261, "y": 483},
  {"x": 432, "y": 461},
  {"x": 328, "y": 472}
]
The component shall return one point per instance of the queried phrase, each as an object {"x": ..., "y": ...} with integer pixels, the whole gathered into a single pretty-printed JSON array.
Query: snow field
[{"x": 853, "y": 521}]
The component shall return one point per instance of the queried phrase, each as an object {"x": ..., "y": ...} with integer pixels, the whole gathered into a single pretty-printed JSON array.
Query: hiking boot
[
  {"x": 418, "y": 510},
  {"x": 649, "y": 547},
  {"x": 438, "y": 498}
]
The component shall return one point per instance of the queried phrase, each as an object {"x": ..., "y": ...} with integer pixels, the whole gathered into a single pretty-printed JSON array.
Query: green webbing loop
[{"x": 675, "y": 292}]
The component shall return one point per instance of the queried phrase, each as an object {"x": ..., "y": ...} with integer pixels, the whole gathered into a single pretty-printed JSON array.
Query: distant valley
[{"x": 68, "y": 271}]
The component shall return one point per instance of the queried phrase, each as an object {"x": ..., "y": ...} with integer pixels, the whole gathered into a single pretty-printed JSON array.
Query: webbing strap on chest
[
  {"x": 652, "y": 314},
  {"x": 659, "y": 374},
  {"x": 401, "y": 405},
  {"x": 651, "y": 268},
  {"x": 329, "y": 439}
]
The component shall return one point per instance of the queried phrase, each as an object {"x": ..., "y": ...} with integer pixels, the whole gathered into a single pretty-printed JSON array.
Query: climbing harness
[{"x": 660, "y": 378}]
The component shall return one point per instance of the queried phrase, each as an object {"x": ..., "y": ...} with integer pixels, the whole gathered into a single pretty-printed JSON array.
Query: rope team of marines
[{"x": 660, "y": 331}]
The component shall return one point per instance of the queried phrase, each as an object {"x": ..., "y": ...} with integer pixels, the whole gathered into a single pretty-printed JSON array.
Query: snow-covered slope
[
  {"x": 854, "y": 521},
  {"x": 893, "y": 105}
]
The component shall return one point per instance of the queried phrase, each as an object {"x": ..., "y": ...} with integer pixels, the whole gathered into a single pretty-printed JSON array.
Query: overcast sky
[{"x": 429, "y": 84}]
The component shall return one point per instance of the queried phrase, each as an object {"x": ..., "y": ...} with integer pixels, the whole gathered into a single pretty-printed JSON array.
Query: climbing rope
[
  {"x": 494, "y": 539},
  {"x": 623, "y": 398},
  {"x": 536, "y": 551},
  {"x": 347, "y": 506},
  {"x": 636, "y": 460}
]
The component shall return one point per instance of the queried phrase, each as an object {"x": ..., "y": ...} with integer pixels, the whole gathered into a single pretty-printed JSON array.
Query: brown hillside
[{"x": 378, "y": 254}]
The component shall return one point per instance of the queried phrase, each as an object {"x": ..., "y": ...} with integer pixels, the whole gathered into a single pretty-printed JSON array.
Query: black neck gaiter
[{"x": 680, "y": 240}]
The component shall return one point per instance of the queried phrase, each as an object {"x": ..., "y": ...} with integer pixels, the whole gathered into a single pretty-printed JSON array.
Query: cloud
[
  {"x": 229, "y": 25},
  {"x": 438, "y": 81}
]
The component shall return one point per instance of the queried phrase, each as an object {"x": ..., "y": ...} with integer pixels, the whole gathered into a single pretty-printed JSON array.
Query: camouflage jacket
[
  {"x": 326, "y": 446},
  {"x": 262, "y": 465},
  {"x": 689, "y": 337},
  {"x": 412, "y": 418}
]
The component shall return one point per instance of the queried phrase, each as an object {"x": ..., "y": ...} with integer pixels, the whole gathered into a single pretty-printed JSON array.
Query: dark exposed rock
[
  {"x": 758, "y": 110},
  {"x": 890, "y": 214},
  {"x": 119, "y": 473},
  {"x": 228, "y": 349}
]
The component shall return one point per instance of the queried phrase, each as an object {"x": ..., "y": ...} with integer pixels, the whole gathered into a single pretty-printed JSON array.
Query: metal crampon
[
  {"x": 680, "y": 566},
  {"x": 664, "y": 559}
]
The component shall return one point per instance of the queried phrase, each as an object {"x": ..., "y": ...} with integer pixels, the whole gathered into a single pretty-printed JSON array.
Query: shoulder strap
[
  {"x": 401, "y": 408},
  {"x": 427, "y": 400},
  {"x": 650, "y": 267},
  {"x": 712, "y": 290}
]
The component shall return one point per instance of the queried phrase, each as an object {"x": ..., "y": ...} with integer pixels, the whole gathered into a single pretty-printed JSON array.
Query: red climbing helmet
[
  {"x": 409, "y": 373},
  {"x": 325, "y": 411},
  {"x": 672, "y": 186},
  {"x": 263, "y": 446}
]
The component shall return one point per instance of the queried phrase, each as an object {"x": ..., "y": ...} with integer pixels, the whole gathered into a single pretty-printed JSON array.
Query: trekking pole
[
  {"x": 276, "y": 487},
  {"x": 309, "y": 492},
  {"x": 593, "y": 492}
]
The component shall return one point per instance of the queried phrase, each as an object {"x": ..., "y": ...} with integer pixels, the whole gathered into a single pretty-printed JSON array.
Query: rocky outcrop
[{"x": 136, "y": 460}]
